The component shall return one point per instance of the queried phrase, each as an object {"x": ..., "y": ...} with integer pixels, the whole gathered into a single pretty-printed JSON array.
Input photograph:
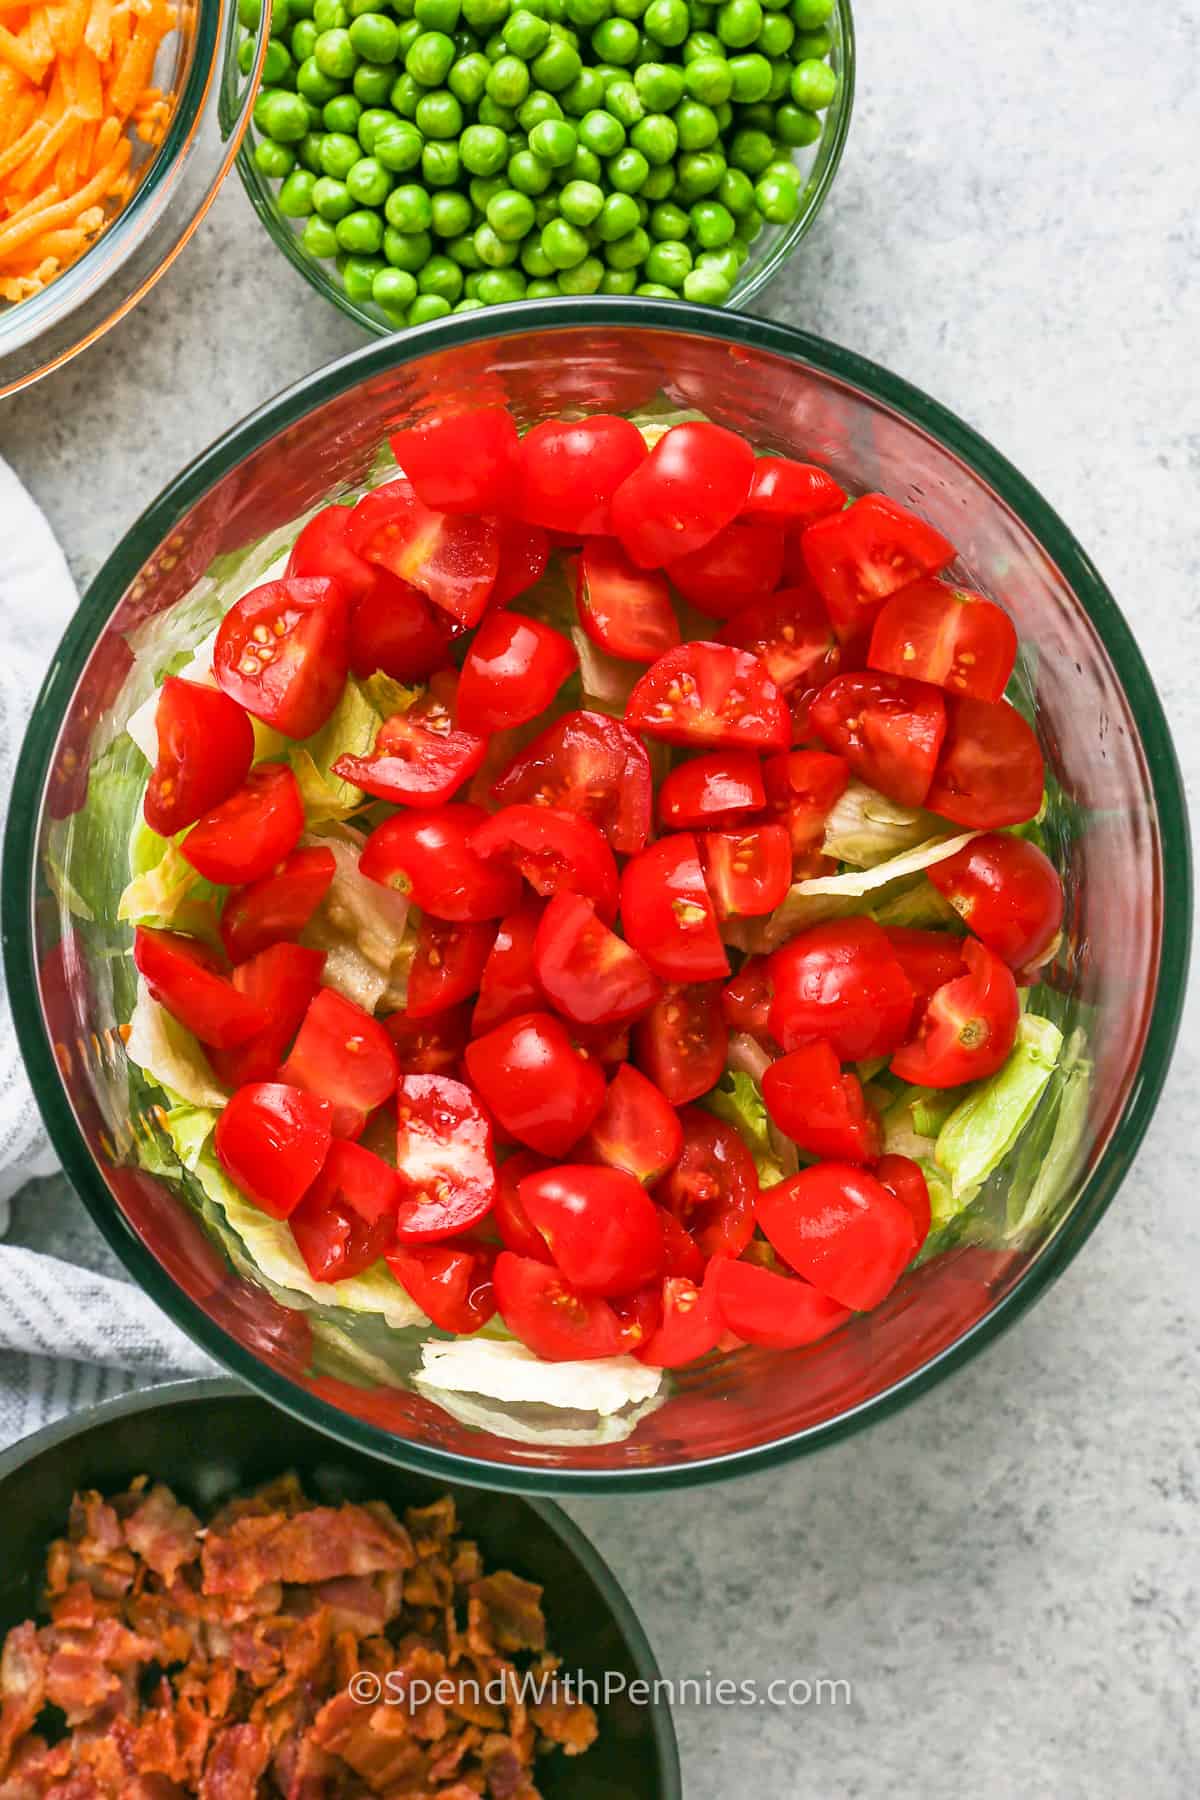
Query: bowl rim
[
  {"x": 222, "y": 1387},
  {"x": 162, "y": 516},
  {"x": 830, "y": 147}
]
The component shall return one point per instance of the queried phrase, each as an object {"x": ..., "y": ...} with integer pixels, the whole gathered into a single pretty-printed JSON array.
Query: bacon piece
[
  {"x": 94, "y": 1551},
  {"x": 35, "y": 1768},
  {"x": 238, "y": 1756},
  {"x": 319, "y": 1545},
  {"x": 163, "y": 1533},
  {"x": 432, "y": 1527},
  {"x": 510, "y": 1609},
  {"x": 22, "y": 1686}
]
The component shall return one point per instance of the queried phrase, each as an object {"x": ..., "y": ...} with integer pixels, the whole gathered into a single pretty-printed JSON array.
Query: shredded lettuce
[
  {"x": 168, "y": 1053},
  {"x": 350, "y": 730},
  {"x": 170, "y": 895},
  {"x": 857, "y": 883},
  {"x": 984, "y": 1127},
  {"x": 189, "y": 1129},
  {"x": 388, "y": 697},
  {"x": 738, "y": 1100},
  {"x": 363, "y": 928},
  {"x": 1051, "y": 1156},
  {"x": 506, "y": 1370},
  {"x": 606, "y": 680},
  {"x": 865, "y": 827},
  {"x": 918, "y": 904}
]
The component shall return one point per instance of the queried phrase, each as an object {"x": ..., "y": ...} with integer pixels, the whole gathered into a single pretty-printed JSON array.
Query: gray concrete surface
[{"x": 1006, "y": 1574}]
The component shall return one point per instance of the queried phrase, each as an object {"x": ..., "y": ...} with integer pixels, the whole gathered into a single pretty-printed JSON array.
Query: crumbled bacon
[{"x": 219, "y": 1663}]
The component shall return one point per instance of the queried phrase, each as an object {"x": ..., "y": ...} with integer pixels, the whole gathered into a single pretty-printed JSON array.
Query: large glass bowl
[
  {"x": 770, "y": 250},
  {"x": 176, "y": 185},
  {"x": 1117, "y": 824}
]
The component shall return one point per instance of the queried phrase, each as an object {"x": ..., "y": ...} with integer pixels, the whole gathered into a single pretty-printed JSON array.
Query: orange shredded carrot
[
  {"x": 24, "y": 146},
  {"x": 14, "y": 235},
  {"x": 97, "y": 34},
  {"x": 16, "y": 52},
  {"x": 59, "y": 134},
  {"x": 17, "y": 118},
  {"x": 37, "y": 35},
  {"x": 68, "y": 21}
]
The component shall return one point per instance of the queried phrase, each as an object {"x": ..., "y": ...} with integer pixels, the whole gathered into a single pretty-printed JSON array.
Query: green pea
[
  {"x": 409, "y": 32},
  {"x": 627, "y": 171},
  {"x": 430, "y": 57},
  {"x": 409, "y": 250},
  {"x": 696, "y": 124},
  {"x": 510, "y": 215},
  {"x": 394, "y": 288},
  {"x": 659, "y": 86},
  {"x": 372, "y": 120},
  {"x": 278, "y": 67},
  {"x": 441, "y": 276},
  {"x": 564, "y": 244},
  {"x": 437, "y": 15},
  {"x": 528, "y": 174},
  {"x": 701, "y": 43},
  {"x": 467, "y": 79},
  {"x": 712, "y": 224},
  {"x": 358, "y": 277},
  {"x": 361, "y": 233},
  {"x": 616, "y": 41},
  {"x": 751, "y": 78},
  {"x": 335, "y": 55},
  {"x": 777, "y": 87},
  {"x": 584, "y": 166},
  {"x": 490, "y": 112},
  {"x": 482, "y": 187},
  {"x": 558, "y": 66},
  {"x": 450, "y": 214},
  {"x": 467, "y": 306},
  {"x": 554, "y": 141},
  {"x": 397, "y": 146},
  {"x": 405, "y": 94},
  {"x": 303, "y": 40},
  {"x": 795, "y": 127},
  {"x": 624, "y": 102},
  {"x": 657, "y": 137},
  {"x": 698, "y": 173},
  {"x": 581, "y": 202},
  {"x": 374, "y": 36},
  {"x": 545, "y": 208},
  {"x": 330, "y": 15},
  {"x": 294, "y": 199},
  {"x": 813, "y": 85},
  {"x": 273, "y": 160},
  {"x": 463, "y": 251},
  {"x": 499, "y": 286},
  {"x": 339, "y": 153},
  {"x": 630, "y": 9},
  {"x": 342, "y": 114},
  {"x": 409, "y": 208},
  {"x": 757, "y": 116},
  {"x": 281, "y": 116},
  {"x": 318, "y": 237},
  {"x": 669, "y": 222},
  {"x": 617, "y": 219},
  {"x": 810, "y": 15},
  {"x": 585, "y": 92},
  {"x": 440, "y": 166},
  {"x": 775, "y": 38},
  {"x": 373, "y": 82},
  {"x": 619, "y": 281},
  {"x": 483, "y": 149},
  {"x": 814, "y": 45},
  {"x": 249, "y": 12},
  {"x": 601, "y": 133},
  {"x": 736, "y": 191},
  {"x": 426, "y": 308},
  {"x": 751, "y": 150},
  {"x": 368, "y": 182},
  {"x": 739, "y": 22},
  {"x": 439, "y": 115},
  {"x": 778, "y": 200},
  {"x": 666, "y": 21},
  {"x": 308, "y": 150},
  {"x": 496, "y": 252},
  {"x": 668, "y": 263},
  {"x": 484, "y": 15},
  {"x": 508, "y": 82},
  {"x": 534, "y": 260},
  {"x": 630, "y": 251},
  {"x": 584, "y": 278},
  {"x": 706, "y": 286},
  {"x": 534, "y": 110},
  {"x": 525, "y": 34}
]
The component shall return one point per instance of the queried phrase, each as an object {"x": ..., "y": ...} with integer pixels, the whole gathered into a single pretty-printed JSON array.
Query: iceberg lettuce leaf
[{"x": 984, "y": 1128}]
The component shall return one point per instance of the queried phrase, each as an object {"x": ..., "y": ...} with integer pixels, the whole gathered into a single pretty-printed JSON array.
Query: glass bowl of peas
[{"x": 415, "y": 158}]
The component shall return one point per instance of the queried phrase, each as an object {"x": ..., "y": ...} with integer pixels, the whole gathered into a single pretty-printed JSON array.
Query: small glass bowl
[
  {"x": 770, "y": 250},
  {"x": 198, "y": 63}
]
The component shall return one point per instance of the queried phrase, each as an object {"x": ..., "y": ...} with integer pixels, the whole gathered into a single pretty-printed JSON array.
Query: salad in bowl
[{"x": 588, "y": 910}]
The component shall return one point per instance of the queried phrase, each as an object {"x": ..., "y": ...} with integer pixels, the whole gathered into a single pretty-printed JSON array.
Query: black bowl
[{"x": 209, "y": 1439}]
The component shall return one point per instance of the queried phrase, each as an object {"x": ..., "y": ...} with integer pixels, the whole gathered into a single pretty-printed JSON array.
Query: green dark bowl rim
[
  {"x": 220, "y": 1387},
  {"x": 156, "y": 524}
]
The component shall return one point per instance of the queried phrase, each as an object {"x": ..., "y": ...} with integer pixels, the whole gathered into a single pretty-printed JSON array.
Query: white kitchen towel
[{"x": 68, "y": 1336}]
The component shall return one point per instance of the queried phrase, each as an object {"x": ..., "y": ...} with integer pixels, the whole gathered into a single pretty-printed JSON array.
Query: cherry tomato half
[
  {"x": 248, "y": 835},
  {"x": 277, "y": 906},
  {"x": 508, "y": 984},
  {"x": 716, "y": 789},
  {"x": 902, "y": 1177},
  {"x": 186, "y": 978},
  {"x": 968, "y": 1028},
  {"x": 345, "y": 1056},
  {"x": 746, "y": 1000},
  {"x": 682, "y": 1041},
  {"x": 803, "y": 787},
  {"x": 990, "y": 771},
  {"x": 627, "y": 611},
  {"x": 588, "y": 764},
  {"x": 841, "y": 981},
  {"x": 694, "y": 482},
  {"x": 508, "y": 1214},
  {"x": 524, "y": 553},
  {"x": 710, "y": 695},
  {"x": 820, "y": 1108},
  {"x": 432, "y": 1046},
  {"x": 444, "y": 1158},
  {"x": 667, "y": 912},
  {"x": 283, "y": 653},
  {"x": 600, "y": 1223},
  {"x": 282, "y": 980},
  {"x": 448, "y": 964},
  {"x": 636, "y": 1129},
  {"x": 714, "y": 1185},
  {"x": 421, "y": 757},
  {"x": 205, "y": 748},
  {"x": 347, "y": 1219},
  {"x": 428, "y": 855},
  {"x": 842, "y": 1230},
  {"x": 514, "y": 668},
  {"x": 541, "y": 1089},
  {"x": 743, "y": 563},
  {"x": 461, "y": 462},
  {"x": 748, "y": 870},
  {"x": 791, "y": 493},
  {"x": 272, "y": 1140},
  {"x": 451, "y": 1283},
  {"x": 555, "y": 1321},
  {"x": 453, "y": 559},
  {"x": 569, "y": 470},
  {"x": 586, "y": 971},
  {"x": 323, "y": 548},
  {"x": 790, "y": 633},
  {"x": 860, "y": 557},
  {"x": 777, "y": 1311},
  {"x": 950, "y": 636},
  {"x": 555, "y": 851},
  {"x": 888, "y": 729},
  {"x": 394, "y": 628},
  {"x": 1008, "y": 893},
  {"x": 691, "y": 1323},
  {"x": 928, "y": 958}
]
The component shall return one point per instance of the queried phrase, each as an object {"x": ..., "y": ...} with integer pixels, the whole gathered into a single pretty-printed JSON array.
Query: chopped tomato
[
  {"x": 600, "y": 1223},
  {"x": 448, "y": 964},
  {"x": 421, "y": 757},
  {"x": 347, "y": 1219},
  {"x": 283, "y": 653},
  {"x": 888, "y": 729},
  {"x": 789, "y": 631},
  {"x": 968, "y": 1028},
  {"x": 569, "y": 470},
  {"x": 248, "y": 835},
  {"x": 902, "y": 1177},
  {"x": 714, "y": 1185},
  {"x": 636, "y": 1129},
  {"x": 841, "y": 1229},
  {"x": 508, "y": 984},
  {"x": 553, "y": 1319},
  {"x": 820, "y": 1108},
  {"x": 451, "y": 1283},
  {"x": 748, "y": 870},
  {"x": 554, "y": 850},
  {"x": 205, "y": 748},
  {"x": 860, "y": 557},
  {"x": 452, "y": 559},
  {"x": 928, "y": 958},
  {"x": 187, "y": 978},
  {"x": 586, "y": 971},
  {"x": 394, "y": 628},
  {"x": 692, "y": 484},
  {"x": 716, "y": 789},
  {"x": 428, "y": 855},
  {"x": 710, "y": 694},
  {"x": 323, "y": 548},
  {"x": 345, "y": 1056},
  {"x": 639, "y": 1314},
  {"x": 461, "y": 462},
  {"x": 432, "y": 1046},
  {"x": 282, "y": 980},
  {"x": 667, "y": 912},
  {"x": 691, "y": 1324},
  {"x": 514, "y": 668},
  {"x": 746, "y": 1000},
  {"x": 791, "y": 493},
  {"x": 947, "y": 635},
  {"x": 272, "y": 1140},
  {"x": 627, "y": 611},
  {"x": 588, "y": 764},
  {"x": 990, "y": 771},
  {"x": 682, "y": 1254},
  {"x": 803, "y": 787},
  {"x": 741, "y": 564},
  {"x": 682, "y": 1041},
  {"x": 524, "y": 553},
  {"x": 543, "y": 1091},
  {"x": 607, "y": 1044},
  {"x": 773, "y": 1310},
  {"x": 444, "y": 1158},
  {"x": 508, "y": 1214},
  {"x": 841, "y": 981},
  {"x": 1008, "y": 893},
  {"x": 277, "y": 906}
]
